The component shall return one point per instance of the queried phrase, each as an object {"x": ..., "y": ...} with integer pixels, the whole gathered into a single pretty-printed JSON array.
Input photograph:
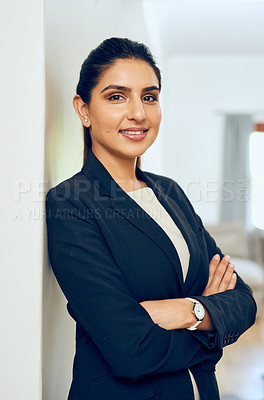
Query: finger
[
  {"x": 233, "y": 282},
  {"x": 227, "y": 277},
  {"x": 219, "y": 272},
  {"x": 212, "y": 267}
]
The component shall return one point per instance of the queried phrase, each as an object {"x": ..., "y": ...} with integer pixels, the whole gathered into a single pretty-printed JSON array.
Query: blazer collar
[
  {"x": 96, "y": 172},
  {"x": 128, "y": 208}
]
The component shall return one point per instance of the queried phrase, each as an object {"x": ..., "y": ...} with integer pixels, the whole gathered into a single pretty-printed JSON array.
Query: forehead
[{"x": 129, "y": 73}]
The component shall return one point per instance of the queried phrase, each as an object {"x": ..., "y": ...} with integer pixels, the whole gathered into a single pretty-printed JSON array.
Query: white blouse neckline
[{"x": 136, "y": 190}]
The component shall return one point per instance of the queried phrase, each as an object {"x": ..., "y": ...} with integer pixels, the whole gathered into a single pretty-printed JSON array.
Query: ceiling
[{"x": 206, "y": 27}]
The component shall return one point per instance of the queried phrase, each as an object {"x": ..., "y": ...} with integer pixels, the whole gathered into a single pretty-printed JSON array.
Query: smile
[
  {"x": 135, "y": 134},
  {"x": 127, "y": 132}
]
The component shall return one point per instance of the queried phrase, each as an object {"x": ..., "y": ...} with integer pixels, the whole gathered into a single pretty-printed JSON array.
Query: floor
[{"x": 240, "y": 373}]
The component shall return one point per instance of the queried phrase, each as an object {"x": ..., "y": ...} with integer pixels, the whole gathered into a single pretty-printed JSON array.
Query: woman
[{"x": 152, "y": 311}]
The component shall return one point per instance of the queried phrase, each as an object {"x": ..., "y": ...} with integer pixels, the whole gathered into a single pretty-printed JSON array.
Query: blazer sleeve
[
  {"x": 97, "y": 293},
  {"x": 233, "y": 311}
]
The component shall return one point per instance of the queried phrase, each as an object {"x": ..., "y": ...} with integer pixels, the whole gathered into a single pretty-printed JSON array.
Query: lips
[
  {"x": 135, "y": 134},
  {"x": 134, "y": 131}
]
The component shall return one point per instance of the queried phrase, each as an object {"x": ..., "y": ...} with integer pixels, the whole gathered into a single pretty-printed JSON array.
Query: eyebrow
[{"x": 127, "y": 89}]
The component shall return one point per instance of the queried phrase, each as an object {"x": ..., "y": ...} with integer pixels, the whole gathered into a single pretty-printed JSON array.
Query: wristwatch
[{"x": 198, "y": 311}]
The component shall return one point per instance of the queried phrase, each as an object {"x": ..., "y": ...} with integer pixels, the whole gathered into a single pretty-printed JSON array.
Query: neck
[{"x": 122, "y": 170}]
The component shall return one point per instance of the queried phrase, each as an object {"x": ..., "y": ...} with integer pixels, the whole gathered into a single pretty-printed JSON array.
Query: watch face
[{"x": 199, "y": 311}]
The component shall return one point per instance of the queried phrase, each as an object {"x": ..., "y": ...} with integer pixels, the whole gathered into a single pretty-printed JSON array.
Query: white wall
[
  {"x": 72, "y": 31},
  {"x": 22, "y": 160},
  {"x": 197, "y": 91}
]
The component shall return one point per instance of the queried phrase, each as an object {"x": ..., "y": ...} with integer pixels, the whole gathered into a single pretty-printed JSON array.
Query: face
[{"x": 124, "y": 113}]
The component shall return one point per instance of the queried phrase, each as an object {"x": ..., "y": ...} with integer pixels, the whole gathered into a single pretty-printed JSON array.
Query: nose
[{"x": 136, "y": 110}]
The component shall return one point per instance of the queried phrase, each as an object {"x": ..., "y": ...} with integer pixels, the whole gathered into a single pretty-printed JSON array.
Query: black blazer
[{"x": 108, "y": 255}]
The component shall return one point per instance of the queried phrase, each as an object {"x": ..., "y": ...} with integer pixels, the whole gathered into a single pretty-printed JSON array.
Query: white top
[{"x": 146, "y": 199}]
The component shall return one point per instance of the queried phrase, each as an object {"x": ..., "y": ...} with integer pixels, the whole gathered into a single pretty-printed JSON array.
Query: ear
[{"x": 81, "y": 109}]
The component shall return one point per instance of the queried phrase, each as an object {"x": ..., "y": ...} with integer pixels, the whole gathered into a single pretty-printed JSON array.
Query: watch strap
[
  {"x": 198, "y": 322},
  {"x": 194, "y": 327}
]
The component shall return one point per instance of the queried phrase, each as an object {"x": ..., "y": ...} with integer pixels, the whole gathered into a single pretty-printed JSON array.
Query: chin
[{"x": 135, "y": 154}]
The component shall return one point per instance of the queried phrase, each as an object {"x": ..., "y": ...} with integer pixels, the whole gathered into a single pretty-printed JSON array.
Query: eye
[
  {"x": 116, "y": 97},
  {"x": 149, "y": 98}
]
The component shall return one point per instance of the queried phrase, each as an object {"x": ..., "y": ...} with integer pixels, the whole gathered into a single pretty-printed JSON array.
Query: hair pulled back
[{"x": 102, "y": 58}]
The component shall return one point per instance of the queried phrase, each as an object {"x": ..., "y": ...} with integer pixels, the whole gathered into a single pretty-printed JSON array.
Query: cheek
[
  {"x": 101, "y": 126},
  {"x": 112, "y": 118},
  {"x": 116, "y": 114},
  {"x": 156, "y": 117}
]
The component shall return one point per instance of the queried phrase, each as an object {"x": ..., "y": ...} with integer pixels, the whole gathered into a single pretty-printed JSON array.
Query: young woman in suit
[{"x": 153, "y": 297}]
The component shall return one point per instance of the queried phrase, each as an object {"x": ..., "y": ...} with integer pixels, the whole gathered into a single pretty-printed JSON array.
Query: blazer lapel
[
  {"x": 129, "y": 209},
  {"x": 180, "y": 220},
  {"x": 178, "y": 216}
]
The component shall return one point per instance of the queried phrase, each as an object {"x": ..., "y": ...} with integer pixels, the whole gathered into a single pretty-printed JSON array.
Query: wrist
[
  {"x": 198, "y": 312},
  {"x": 190, "y": 317}
]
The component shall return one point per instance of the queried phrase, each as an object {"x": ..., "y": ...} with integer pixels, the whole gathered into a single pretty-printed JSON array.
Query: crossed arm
[
  {"x": 177, "y": 313},
  {"x": 132, "y": 343}
]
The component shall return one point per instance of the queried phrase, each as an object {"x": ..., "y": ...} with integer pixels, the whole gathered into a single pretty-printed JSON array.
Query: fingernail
[
  {"x": 227, "y": 258},
  {"x": 231, "y": 265},
  {"x": 234, "y": 275},
  {"x": 216, "y": 257}
]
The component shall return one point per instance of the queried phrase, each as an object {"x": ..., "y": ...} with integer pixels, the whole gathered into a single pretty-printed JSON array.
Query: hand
[
  {"x": 221, "y": 276},
  {"x": 170, "y": 313}
]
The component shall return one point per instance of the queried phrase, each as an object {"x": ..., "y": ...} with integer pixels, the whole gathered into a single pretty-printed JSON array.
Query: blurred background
[{"x": 211, "y": 55}]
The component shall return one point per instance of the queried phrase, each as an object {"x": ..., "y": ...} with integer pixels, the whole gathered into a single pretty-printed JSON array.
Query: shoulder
[
  {"x": 64, "y": 188},
  {"x": 71, "y": 197}
]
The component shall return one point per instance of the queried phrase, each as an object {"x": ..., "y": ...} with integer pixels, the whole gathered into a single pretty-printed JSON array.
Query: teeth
[{"x": 132, "y": 133}]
